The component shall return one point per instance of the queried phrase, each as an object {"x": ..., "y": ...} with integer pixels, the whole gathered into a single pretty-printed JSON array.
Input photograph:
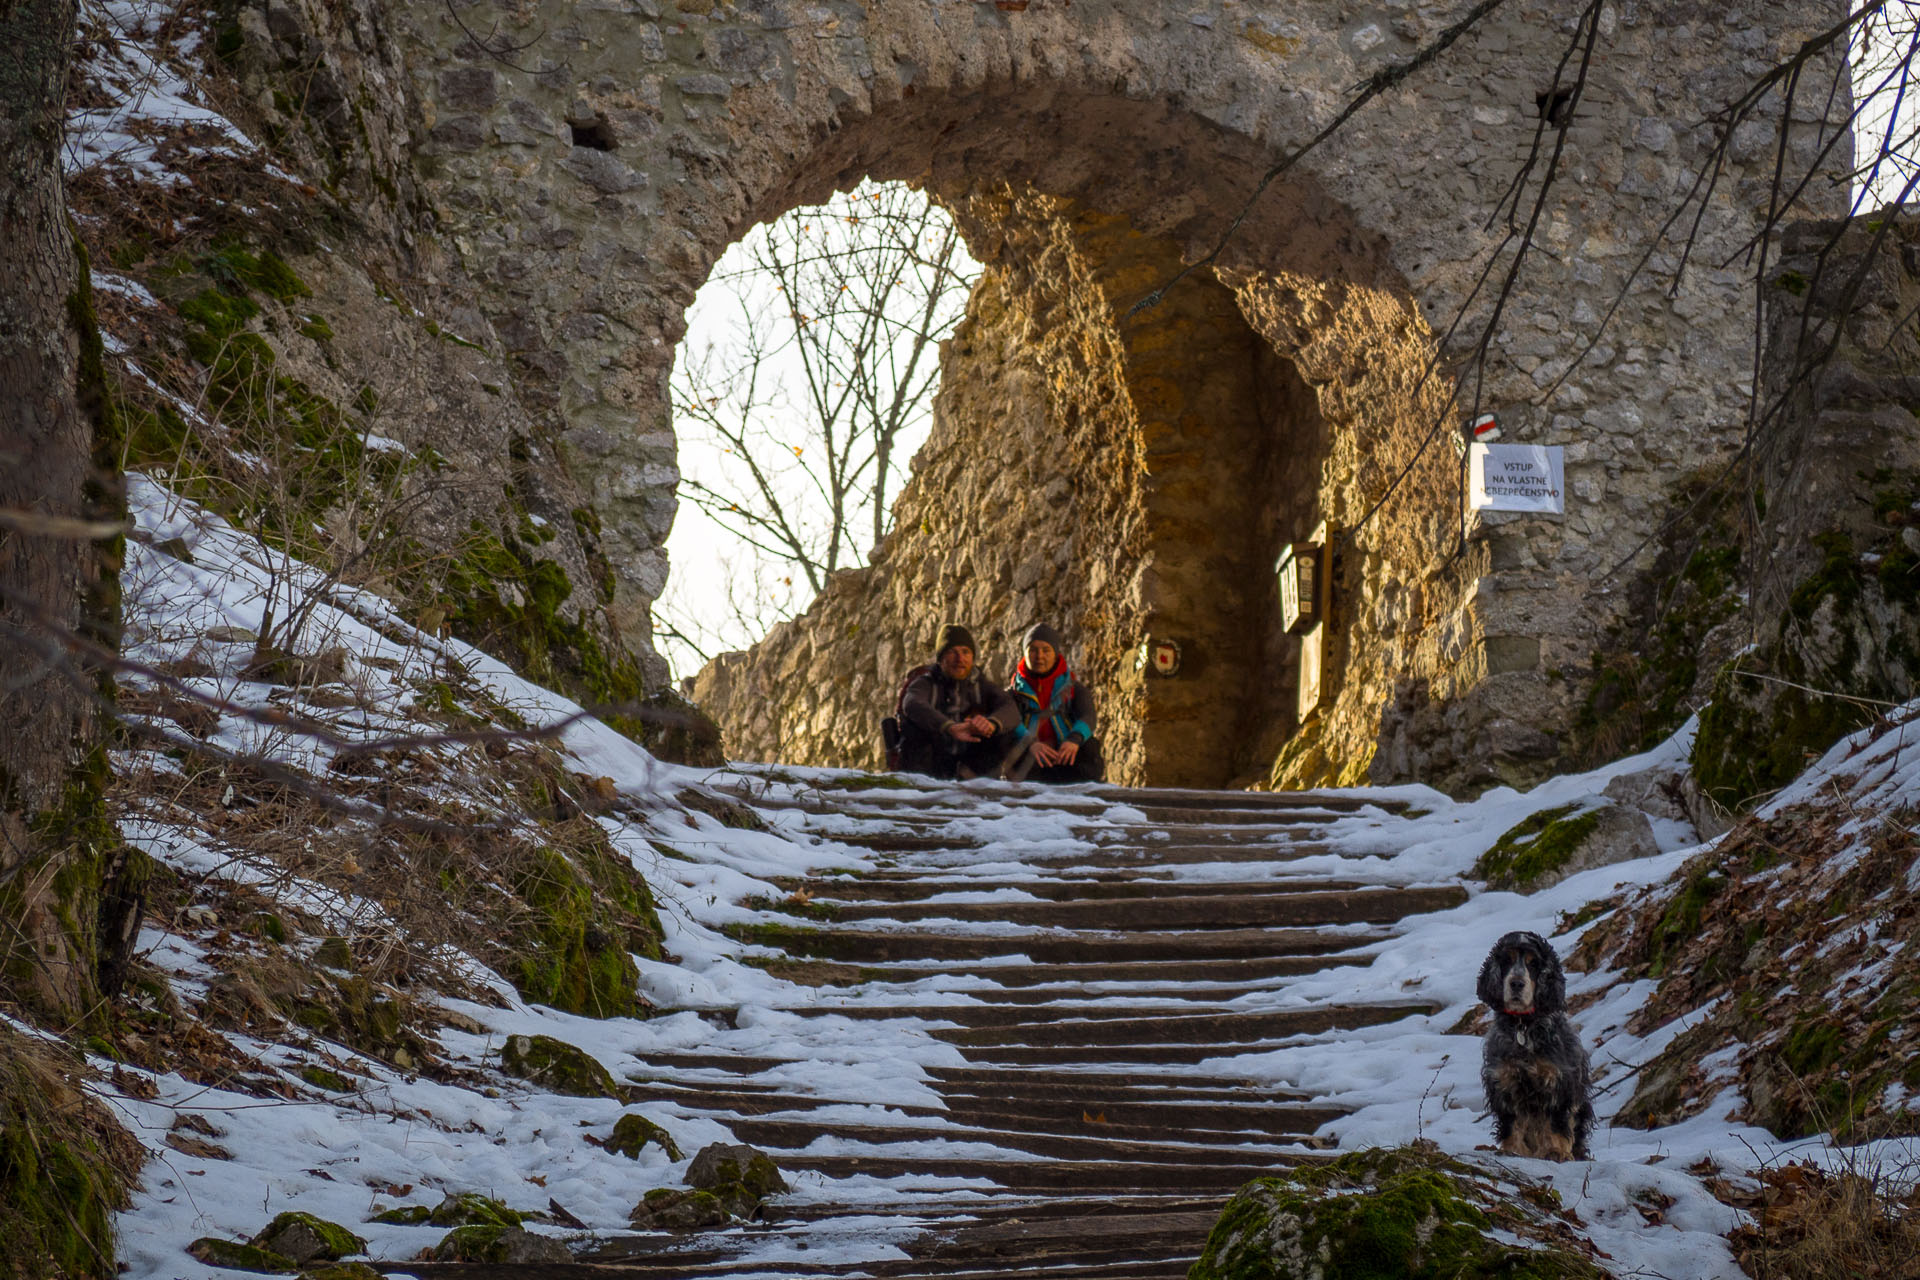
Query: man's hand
[{"x": 964, "y": 730}]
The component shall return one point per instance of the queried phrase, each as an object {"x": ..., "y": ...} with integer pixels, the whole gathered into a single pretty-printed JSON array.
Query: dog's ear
[
  {"x": 1489, "y": 985},
  {"x": 1550, "y": 989}
]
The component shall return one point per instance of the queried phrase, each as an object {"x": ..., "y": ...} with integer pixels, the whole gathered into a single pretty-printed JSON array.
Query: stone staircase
[{"x": 1089, "y": 1127}]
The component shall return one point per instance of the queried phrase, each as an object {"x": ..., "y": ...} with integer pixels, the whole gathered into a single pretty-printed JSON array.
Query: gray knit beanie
[{"x": 1046, "y": 635}]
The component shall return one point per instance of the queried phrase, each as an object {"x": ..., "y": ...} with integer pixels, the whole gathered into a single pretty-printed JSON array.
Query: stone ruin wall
[{"x": 578, "y": 181}]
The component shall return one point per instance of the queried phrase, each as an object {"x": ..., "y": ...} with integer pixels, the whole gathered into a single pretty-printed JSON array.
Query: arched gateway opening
[{"x": 1127, "y": 474}]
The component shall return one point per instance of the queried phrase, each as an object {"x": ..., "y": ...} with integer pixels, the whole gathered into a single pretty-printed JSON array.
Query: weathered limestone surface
[
  {"x": 1830, "y": 540},
  {"x": 1459, "y": 668},
  {"x": 583, "y": 164}
]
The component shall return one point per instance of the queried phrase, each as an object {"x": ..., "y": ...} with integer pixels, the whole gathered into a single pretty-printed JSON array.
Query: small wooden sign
[{"x": 1302, "y": 573}]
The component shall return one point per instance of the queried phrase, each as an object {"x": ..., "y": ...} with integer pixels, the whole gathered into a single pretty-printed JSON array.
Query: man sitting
[
  {"x": 954, "y": 722},
  {"x": 1054, "y": 741}
]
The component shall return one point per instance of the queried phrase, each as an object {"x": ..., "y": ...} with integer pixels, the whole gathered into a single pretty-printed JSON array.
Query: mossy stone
[
  {"x": 334, "y": 953},
  {"x": 721, "y": 1163},
  {"x": 1407, "y": 1213},
  {"x": 469, "y": 1243},
  {"x": 575, "y": 955},
  {"x": 471, "y": 1209},
  {"x": 558, "y": 1066},
  {"x": 1842, "y": 646},
  {"x": 342, "y": 1271},
  {"x": 633, "y": 1132},
  {"x": 406, "y": 1215},
  {"x": 321, "y": 1078},
  {"x": 499, "y": 1245},
  {"x": 679, "y": 1209},
  {"x": 303, "y": 1237},
  {"x": 232, "y": 1255},
  {"x": 1535, "y": 847},
  {"x": 501, "y": 595}
]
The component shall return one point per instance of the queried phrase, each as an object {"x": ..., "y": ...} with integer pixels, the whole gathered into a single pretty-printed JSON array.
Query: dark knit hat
[
  {"x": 1044, "y": 634},
  {"x": 950, "y": 635}
]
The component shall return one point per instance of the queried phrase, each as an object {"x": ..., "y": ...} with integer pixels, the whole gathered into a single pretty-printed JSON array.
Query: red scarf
[{"x": 1042, "y": 687}]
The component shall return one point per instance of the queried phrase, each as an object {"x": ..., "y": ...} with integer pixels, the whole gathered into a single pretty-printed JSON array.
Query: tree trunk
[{"x": 56, "y": 586}]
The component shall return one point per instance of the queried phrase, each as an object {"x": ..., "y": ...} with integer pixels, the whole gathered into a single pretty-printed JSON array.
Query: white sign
[{"x": 1517, "y": 477}]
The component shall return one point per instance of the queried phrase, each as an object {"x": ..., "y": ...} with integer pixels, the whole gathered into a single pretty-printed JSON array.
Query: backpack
[{"x": 890, "y": 727}]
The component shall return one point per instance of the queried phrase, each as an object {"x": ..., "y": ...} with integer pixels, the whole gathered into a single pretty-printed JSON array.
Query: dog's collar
[{"x": 1518, "y": 1013}]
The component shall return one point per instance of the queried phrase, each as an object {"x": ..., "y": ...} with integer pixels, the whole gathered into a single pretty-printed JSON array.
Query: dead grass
[
  {"x": 1789, "y": 931},
  {"x": 65, "y": 1165},
  {"x": 1860, "y": 1223},
  {"x": 370, "y": 884}
]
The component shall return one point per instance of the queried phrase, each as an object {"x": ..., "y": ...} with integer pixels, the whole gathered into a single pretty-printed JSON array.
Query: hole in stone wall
[
  {"x": 1555, "y": 106},
  {"x": 596, "y": 133}
]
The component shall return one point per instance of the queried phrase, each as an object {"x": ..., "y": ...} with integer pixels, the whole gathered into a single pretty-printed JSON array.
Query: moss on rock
[
  {"x": 305, "y": 1238},
  {"x": 1536, "y": 846},
  {"x": 321, "y": 1078},
  {"x": 342, "y": 1271},
  {"x": 678, "y": 1209},
  {"x": 409, "y": 1215},
  {"x": 499, "y": 1245},
  {"x": 1646, "y": 673},
  {"x": 722, "y": 1164},
  {"x": 1409, "y": 1212},
  {"x": 471, "y": 1209},
  {"x": 502, "y": 595},
  {"x": 633, "y": 1132},
  {"x": 235, "y": 1256},
  {"x": 1842, "y": 648},
  {"x": 558, "y": 1066},
  {"x": 575, "y": 954}
]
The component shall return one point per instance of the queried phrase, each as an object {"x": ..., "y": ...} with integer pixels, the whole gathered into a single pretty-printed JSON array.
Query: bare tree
[{"x": 796, "y": 429}]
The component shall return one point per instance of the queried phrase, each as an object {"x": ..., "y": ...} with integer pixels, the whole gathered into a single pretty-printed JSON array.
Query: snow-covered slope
[{"x": 240, "y": 1130}]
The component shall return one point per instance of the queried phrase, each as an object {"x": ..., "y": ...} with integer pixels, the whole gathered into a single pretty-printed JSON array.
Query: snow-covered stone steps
[
  {"x": 1036, "y": 982},
  {"x": 1270, "y": 904},
  {"x": 1113, "y": 1175},
  {"x": 1091, "y": 957},
  {"x": 866, "y": 946},
  {"x": 1139, "y": 856},
  {"x": 1113, "y": 1113},
  {"x": 1140, "y": 1146},
  {"x": 1209, "y": 1029},
  {"x": 1066, "y": 886},
  {"x": 1273, "y": 802},
  {"x": 1101, "y": 1237}
]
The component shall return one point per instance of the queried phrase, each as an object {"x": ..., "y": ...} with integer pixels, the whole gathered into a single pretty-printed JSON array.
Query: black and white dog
[{"x": 1535, "y": 1070}]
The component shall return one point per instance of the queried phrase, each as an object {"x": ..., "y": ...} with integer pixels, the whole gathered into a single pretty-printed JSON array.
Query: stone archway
[
  {"x": 689, "y": 123},
  {"x": 1169, "y": 453}
]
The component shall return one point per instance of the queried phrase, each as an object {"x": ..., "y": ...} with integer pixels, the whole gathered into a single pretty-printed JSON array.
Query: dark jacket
[{"x": 935, "y": 700}]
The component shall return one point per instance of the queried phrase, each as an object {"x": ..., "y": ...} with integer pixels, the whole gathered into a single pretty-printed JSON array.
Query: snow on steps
[{"x": 1086, "y": 1132}]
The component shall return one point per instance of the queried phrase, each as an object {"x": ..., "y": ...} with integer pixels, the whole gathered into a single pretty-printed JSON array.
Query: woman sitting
[{"x": 1054, "y": 740}]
